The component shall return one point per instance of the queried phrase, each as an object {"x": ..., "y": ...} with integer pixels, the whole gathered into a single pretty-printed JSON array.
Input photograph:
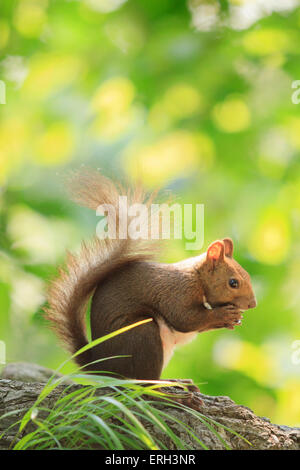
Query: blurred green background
[{"x": 194, "y": 96}]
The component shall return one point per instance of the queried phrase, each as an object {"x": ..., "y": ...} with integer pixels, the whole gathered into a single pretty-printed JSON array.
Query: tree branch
[{"x": 21, "y": 395}]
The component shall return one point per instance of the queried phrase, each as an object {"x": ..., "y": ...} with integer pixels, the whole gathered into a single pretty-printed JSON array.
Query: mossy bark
[{"x": 21, "y": 395}]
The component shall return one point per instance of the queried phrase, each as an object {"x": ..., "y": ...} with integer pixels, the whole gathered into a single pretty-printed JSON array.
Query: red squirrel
[{"x": 126, "y": 284}]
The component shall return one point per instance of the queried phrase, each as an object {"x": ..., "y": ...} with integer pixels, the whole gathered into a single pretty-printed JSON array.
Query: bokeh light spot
[
  {"x": 55, "y": 145},
  {"x": 262, "y": 42},
  {"x": 270, "y": 240},
  {"x": 177, "y": 154},
  {"x": 232, "y": 115},
  {"x": 30, "y": 17}
]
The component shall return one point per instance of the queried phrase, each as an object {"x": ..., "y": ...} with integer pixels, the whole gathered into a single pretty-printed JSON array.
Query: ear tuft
[
  {"x": 215, "y": 251},
  {"x": 228, "y": 243}
]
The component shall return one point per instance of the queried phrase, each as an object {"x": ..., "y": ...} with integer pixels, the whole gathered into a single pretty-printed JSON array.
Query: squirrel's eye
[{"x": 234, "y": 283}]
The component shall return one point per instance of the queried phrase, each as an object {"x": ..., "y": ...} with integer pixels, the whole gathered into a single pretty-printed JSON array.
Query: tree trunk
[{"x": 21, "y": 395}]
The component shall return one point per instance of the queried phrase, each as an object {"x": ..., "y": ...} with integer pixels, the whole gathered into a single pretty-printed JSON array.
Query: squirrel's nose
[{"x": 253, "y": 303}]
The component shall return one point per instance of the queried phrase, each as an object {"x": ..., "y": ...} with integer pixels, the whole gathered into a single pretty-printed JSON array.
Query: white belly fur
[{"x": 171, "y": 338}]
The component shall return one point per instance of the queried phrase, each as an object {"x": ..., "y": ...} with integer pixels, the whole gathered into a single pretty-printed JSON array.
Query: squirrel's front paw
[{"x": 228, "y": 316}]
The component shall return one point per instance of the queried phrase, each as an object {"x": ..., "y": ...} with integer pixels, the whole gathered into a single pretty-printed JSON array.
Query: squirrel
[{"x": 127, "y": 284}]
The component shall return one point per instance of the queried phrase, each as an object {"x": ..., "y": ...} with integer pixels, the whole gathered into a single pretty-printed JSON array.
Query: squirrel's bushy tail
[{"x": 69, "y": 293}]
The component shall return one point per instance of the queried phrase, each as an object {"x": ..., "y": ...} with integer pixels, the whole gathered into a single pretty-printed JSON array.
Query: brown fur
[{"x": 127, "y": 286}]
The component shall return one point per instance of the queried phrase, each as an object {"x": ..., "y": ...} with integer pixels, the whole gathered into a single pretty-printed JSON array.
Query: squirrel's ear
[
  {"x": 228, "y": 243},
  {"x": 215, "y": 252}
]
